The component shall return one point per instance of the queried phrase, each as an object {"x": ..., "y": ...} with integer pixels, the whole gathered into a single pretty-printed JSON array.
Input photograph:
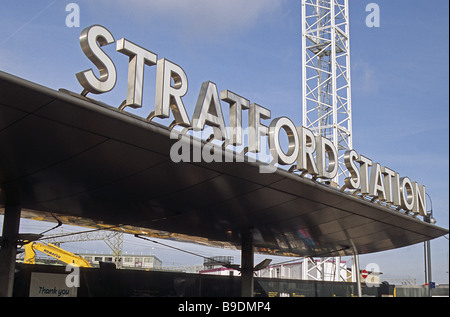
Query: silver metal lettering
[
  {"x": 256, "y": 128},
  {"x": 354, "y": 181},
  {"x": 168, "y": 96},
  {"x": 237, "y": 104},
  {"x": 326, "y": 149},
  {"x": 420, "y": 202},
  {"x": 172, "y": 84},
  {"x": 388, "y": 184},
  {"x": 376, "y": 186},
  {"x": 406, "y": 193},
  {"x": 274, "y": 141},
  {"x": 396, "y": 190},
  {"x": 364, "y": 164},
  {"x": 139, "y": 57},
  {"x": 91, "y": 39},
  {"x": 208, "y": 111},
  {"x": 305, "y": 160}
]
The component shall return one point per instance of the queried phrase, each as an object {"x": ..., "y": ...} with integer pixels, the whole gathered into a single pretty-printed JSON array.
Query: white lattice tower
[
  {"x": 114, "y": 240},
  {"x": 326, "y": 74}
]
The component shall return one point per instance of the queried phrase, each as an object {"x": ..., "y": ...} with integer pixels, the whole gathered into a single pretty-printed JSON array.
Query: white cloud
[
  {"x": 205, "y": 17},
  {"x": 364, "y": 76}
]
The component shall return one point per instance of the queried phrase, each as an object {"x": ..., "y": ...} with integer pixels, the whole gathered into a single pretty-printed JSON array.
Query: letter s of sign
[
  {"x": 91, "y": 39},
  {"x": 354, "y": 180}
]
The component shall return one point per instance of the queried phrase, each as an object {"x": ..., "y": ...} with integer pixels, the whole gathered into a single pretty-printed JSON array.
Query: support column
[
  {"x": 358, "y": 274},
  {"x": 247, "y": 262},
  {"x": 429, "y": 267},
  {"x": 8, "y": 250}
]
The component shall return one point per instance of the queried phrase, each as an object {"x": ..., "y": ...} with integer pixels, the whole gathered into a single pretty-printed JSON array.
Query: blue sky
[{"x": 400, "y": 79}]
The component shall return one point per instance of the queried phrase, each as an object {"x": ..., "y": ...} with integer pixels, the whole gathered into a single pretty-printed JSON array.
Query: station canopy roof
[{"x": 71, "y": 158}]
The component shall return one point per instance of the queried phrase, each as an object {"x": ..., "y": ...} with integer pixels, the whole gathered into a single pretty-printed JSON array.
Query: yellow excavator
[{"x": 53, "y": 251}]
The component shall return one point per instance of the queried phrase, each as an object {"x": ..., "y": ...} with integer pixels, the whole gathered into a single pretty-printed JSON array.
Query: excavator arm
[{"x": 53, "y": 251}]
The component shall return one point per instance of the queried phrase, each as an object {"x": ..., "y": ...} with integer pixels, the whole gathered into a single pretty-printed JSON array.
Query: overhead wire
[
  {"x": 57, "y": 226},
  {"x": 136, "y": 235},
  {"x": 185, "y": 251}
]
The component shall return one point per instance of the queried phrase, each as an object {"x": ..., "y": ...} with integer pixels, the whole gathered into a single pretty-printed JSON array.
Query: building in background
[{"x": 129, "y": 261}]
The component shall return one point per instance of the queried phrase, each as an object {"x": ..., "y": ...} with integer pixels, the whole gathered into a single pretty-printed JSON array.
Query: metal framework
[
  {"x": 113, "y": 239},
  {"x": 326, "y": 73},
  {"x": 324, "y": 269},
  {"x": 326, "y": 87}
]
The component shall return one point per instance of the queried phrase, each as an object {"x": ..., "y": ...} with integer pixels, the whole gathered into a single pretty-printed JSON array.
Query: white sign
[{"x": 50, "y": 285}]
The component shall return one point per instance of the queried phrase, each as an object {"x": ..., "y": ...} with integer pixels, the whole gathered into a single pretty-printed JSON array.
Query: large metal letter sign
[
  {"x": 274, "y": 141},
  {"x": 88, "y": 40},
  {"x": 305, "y": 161},
  {"x": 168, "y": 96},
  {"x": 309, "y": 150},
  {"x": 208, "y": 111},
  {"x": 326, "y": 149},
  {"x": 256, "y": 128},
  {"x": 237, "y": 104},
  {"x": 139, "y": 57}
]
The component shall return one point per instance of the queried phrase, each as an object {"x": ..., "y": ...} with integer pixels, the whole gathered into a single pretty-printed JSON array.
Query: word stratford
[{"x": 382, "y": 183}]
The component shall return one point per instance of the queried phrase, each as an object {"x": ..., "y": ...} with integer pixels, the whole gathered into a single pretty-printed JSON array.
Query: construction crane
[
  {"x": 53, "y": 251},
  {"x": 326, "y": 85}
]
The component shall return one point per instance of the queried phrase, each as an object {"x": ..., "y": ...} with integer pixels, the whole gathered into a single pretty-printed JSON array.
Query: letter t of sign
[{"x": 139, "y": 57}]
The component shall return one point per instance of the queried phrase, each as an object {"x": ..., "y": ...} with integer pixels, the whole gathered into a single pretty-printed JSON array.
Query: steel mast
[{"x": 326, "y": 83}]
